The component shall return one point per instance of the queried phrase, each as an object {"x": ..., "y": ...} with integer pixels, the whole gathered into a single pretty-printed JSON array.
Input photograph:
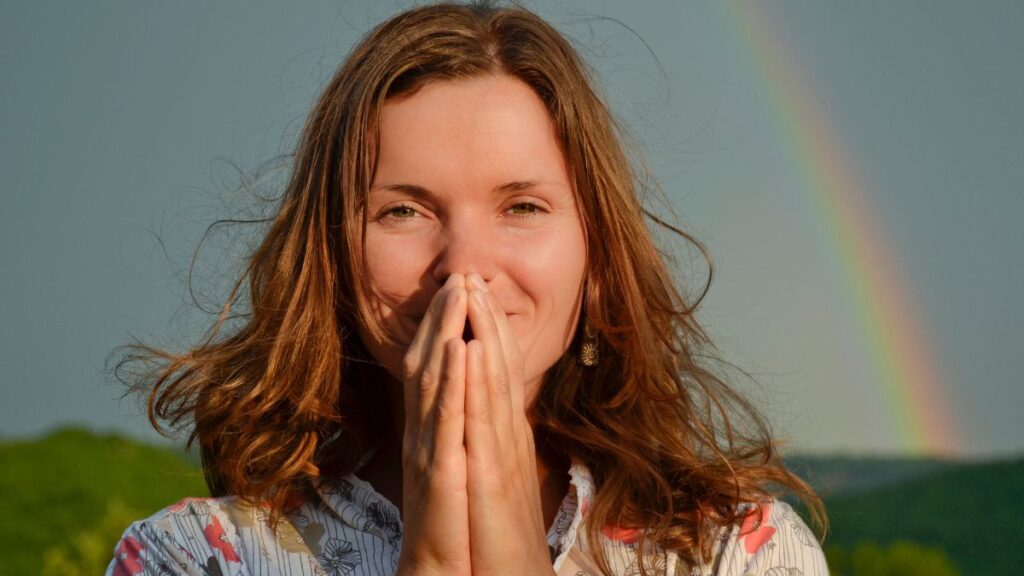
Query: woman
[{"x": 464, "y": 354}]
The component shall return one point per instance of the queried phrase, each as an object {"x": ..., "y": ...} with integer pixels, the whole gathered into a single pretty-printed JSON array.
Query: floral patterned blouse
[{"x": 353, "y": 530}]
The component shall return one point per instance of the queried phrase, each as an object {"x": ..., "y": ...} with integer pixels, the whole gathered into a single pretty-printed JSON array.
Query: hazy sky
[{"x": 121, "y": 121}]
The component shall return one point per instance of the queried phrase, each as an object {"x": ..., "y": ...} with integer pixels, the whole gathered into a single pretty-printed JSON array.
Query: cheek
[
  {"x": 553, "y": 277},
  {"x": 397, "y": 270}
]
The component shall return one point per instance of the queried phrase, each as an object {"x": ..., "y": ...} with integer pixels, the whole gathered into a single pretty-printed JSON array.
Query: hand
[
  {"x": 506, "y": 525},
  {"x": 471, "y": 498},
  {"x": 435, "y": 504}
]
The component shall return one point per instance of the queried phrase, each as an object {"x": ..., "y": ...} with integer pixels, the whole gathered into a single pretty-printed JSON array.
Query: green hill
[
  {"x": 974, "y": 512},
  {"x": 70, "y": 494},
  {"x": 846, "y": 475}
]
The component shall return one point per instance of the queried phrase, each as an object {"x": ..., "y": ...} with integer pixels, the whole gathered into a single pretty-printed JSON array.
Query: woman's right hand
[{"x": 435, "y": 504}]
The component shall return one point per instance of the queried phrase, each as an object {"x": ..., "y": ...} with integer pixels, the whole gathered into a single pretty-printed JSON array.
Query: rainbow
[{"x": 906, "y": 373}]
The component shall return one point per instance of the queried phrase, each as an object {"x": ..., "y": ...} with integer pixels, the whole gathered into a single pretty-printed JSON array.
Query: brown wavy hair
[{"x": 284, "y": 399}]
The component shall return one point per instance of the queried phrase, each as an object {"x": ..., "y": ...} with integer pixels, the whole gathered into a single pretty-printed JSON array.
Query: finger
[
  {"x": 496, "y": 380},
  {"x": 529, "y": 454},
  {"x": 428, "y": 324},
  {"x": 514, "y": 368},
  {"x": 450, "y": 414},
  {"x": 521, "y": 444},
  {"x": 452, "y": 321},
  {"x": 412, "y": 362},
  {"x": 523, "y": 440},
  {"x": 512, "y": 353},
  {"x": 481, "y": 442},
  {"x": 445, "y": 317}
]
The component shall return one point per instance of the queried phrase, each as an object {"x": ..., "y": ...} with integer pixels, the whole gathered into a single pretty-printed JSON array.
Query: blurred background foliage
[
  {"x": 68, "y": 496},
  {"x": 901, "y": 558}
]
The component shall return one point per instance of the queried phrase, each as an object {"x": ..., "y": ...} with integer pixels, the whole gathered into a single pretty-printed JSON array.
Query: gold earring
[{"x": 589, "y": 354}]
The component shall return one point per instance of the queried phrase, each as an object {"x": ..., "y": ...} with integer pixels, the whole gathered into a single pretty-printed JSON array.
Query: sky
[{"x": 854, "y": 169}]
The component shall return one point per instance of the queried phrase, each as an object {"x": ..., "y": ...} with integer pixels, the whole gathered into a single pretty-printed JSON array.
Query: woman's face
[{"x": 471, "y": 178}]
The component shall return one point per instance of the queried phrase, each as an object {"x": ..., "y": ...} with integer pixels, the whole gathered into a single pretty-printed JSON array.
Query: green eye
[
  {"x": 524, "y": 209},
  {"x": 401, "y": 212}
]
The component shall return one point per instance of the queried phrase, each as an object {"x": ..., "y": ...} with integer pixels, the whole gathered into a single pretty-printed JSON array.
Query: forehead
[{"x": 470, "y": 132}]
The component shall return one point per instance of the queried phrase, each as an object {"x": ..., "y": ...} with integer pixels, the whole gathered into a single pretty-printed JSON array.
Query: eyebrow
[{"x": 420, "y": 191}]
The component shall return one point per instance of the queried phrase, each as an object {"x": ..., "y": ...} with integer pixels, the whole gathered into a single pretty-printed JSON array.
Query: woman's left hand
[{"x": 506, "y": 523}]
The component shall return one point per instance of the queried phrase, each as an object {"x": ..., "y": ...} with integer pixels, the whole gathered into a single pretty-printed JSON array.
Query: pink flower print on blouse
[
  {"x": 187, "y": 554},
  {"x": 128, "y": 562},
  {"x": 755, "y": 530},
  {"x": 624, "y": 535},
  {"x": 218, "y": 539},
  {"x": 187, "y": 506}
]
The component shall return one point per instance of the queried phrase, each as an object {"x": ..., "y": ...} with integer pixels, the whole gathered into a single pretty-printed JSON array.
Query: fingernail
[
  {"x": 478, "y": 295},
  {"x": 452, "y": 294}
]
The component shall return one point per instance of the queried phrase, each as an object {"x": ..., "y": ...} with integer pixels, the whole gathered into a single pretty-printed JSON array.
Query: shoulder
[
  {"x": 346, "y": 527},
  {"x": 773, "y": 540},
  {"x": 188, "y": 537},
  {"x": 206, "y": 536}
]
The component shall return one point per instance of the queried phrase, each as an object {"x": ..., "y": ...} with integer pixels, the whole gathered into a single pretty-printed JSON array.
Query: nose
[{"x": 468, "y": 245}]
